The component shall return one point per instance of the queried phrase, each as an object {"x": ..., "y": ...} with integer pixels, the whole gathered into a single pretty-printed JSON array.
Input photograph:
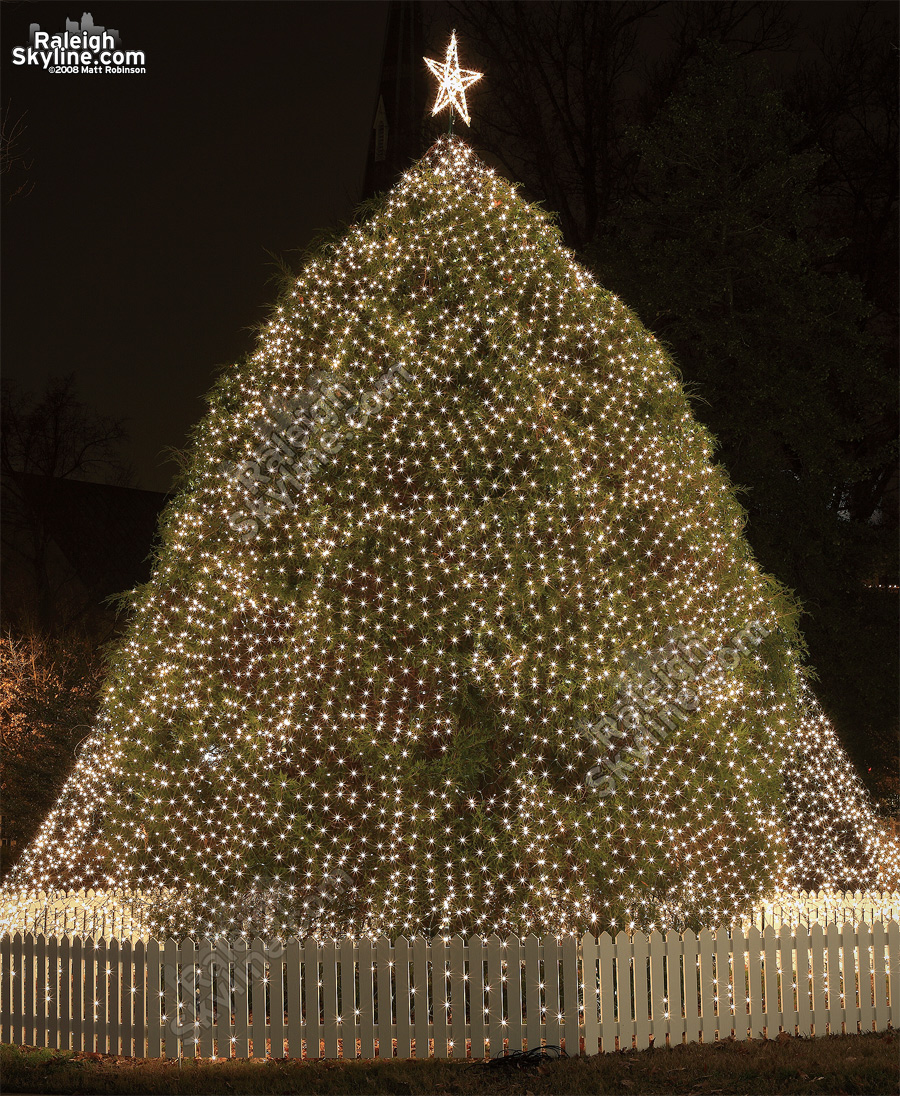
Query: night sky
[{"x": 140, "y": 259}]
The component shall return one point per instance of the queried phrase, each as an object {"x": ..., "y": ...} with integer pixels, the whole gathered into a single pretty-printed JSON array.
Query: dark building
[
  {"x": 401, "y": 131},
  {"x": 69, "y": 545}
]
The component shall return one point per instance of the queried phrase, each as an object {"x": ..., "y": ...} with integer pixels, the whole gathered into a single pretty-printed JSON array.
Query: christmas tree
[{"x": 453, "y": 625}]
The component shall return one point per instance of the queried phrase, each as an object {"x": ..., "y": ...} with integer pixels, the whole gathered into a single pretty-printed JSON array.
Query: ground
[{"x": 849, "y": 1064}]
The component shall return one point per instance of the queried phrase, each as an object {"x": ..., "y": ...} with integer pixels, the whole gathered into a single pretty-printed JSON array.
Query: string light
[{"x": 386, "y": 685}]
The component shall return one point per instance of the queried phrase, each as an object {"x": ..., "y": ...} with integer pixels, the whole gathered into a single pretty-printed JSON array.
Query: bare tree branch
[{"x": 15, "y": 160}]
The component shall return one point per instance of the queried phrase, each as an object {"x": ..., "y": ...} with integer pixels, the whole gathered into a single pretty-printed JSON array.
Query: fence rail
[{"x": 444, "y": 998}]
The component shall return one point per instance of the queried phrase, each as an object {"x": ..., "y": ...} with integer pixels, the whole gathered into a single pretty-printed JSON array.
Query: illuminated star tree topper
[{"x": 452, "y": 83}]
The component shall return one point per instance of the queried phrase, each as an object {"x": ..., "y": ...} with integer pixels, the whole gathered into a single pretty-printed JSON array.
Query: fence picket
[
  {"x": 817, "y": 962},
  {"x": 170, "y": 1000},
  {"x": 833, "y": 978},
  {"x": 256, "y": 982},
  {"x": 114, "y": 997},
  {"x": 421, "y": 1002},
  {"x": 188, "y": 1012},
  {"x": 724, "y": 991},
  {"x": 101, "y": 986},
  {"x": 403, "y": 1024},
  {"x": 705, "y": 949},
  {"x": 641, "y": 953},
  {"x": 493, "y": 948},
  {"x": 624, "y": 990},
  {"x": 864, "y": 938},
  {"x": 515, "y": 1016},
  {"x": 552, "y": 1005},
  {"x": 311, "y": 985},
  {"x": 348, "y": 999},
  {"x": 691, "y": 986},
  {"x": 293, "y": 1000},
  {"x": 89, "y": 956},
  {"x": 801, "y": 944},
  {"x": 589, "y": 994},
  {"x": 40, "y": 991},
  {"x": 787, "y": 1016},
  {"x": 6, "y": 990},
  {"x": 366, "y": 1000},
  {"x": 848, "y": 971},
  {"x": 770, "y": 982},
  {"x": 277, "y": 1026},
  {"x": 893, "y": 935},
  {"x": 152, "y": 998},
  {"x": 879, "y": 980},
  {"x": 385, "y": 1024},
  {"x": 248, "y": 1006},
  {"x": 242, "y": 967},
  {"x": 26, "y": 977},
  {"x": 675, "y": 1022},
  {"x": 141, "y": 1023},
  {"x": 755, "y": 989},
  {"x": 532, "y": 991},
  {"x": 53, "y": 992},
  {"x": 477, "y": 1019},
  {"x": 330, "y": 996},
  {"x": 609, "y": 1028},
  {"x": 224, "y": 956},
  {"x": 440, "y": 997},
  {"x": 571, "y": 996},
  {"x": 206, "y": 1004},
  {"x": 740, "y": 1001},
  {"x": 658, "y": 948},
  {"x": 458, "y": 996},
  {"x": 17, "y": 990},
  {"x": 64, "y": 1039}
]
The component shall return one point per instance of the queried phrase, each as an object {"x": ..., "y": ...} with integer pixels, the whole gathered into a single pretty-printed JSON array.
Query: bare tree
[
  {"x": 567, "y": 79},
  {"x": 15, "y": 159},
  {"x": 48, "y": 688},
  {"x": 848, "y": 96},
  {"x": 551, "y": 114},
  {"x": 55, "y": 434}
]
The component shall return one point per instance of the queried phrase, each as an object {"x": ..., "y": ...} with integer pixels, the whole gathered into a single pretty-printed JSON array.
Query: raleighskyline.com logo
[{"x": 82, "y": 48}]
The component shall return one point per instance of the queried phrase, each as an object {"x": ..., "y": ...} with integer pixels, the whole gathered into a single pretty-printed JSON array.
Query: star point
[{"x": 452, "y": 82}]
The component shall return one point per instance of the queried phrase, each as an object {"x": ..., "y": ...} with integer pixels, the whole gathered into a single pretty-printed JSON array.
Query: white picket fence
[
  {"x": 444, "y": 998},
  {"x": 825, "y": 908},
  {"x": 124, "y": 913},
  {"x": 118, "y": 913}
]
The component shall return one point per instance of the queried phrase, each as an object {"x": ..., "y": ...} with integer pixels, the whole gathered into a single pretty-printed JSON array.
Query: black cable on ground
[{"x": 525, "y": 1059}]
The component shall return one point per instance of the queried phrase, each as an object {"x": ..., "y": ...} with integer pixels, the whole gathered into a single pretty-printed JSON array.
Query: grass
[{"x": 866, "y": 1065}]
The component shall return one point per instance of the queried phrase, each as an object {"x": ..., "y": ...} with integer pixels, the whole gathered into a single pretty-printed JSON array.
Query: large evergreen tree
[{"x": 453, "y": 624}]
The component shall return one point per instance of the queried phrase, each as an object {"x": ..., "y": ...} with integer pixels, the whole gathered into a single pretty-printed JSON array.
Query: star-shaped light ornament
[{"x": 453, "y": 82}]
